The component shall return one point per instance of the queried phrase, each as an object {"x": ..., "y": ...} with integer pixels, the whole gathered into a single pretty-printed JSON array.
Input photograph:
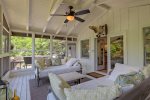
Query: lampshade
[{"x": 70, "y": 18}]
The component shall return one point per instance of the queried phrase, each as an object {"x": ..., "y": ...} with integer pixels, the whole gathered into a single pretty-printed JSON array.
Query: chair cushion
[
  {"x": 99, "y": 93},
  {"x": 58, "y": 85},
  {"x": 122, "y": 69},
  {"x": 71, "y": 62}
]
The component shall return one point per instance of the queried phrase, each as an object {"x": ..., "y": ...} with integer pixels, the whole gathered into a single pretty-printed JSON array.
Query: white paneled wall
[{"x": 130, "y": 20}]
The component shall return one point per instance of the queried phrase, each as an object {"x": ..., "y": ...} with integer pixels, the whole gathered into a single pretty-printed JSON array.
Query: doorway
[
  {"x": 71, "y": 50},
  {"x": 102, "y": 54}
]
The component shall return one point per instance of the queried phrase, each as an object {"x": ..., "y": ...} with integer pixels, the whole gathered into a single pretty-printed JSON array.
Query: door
[{"x": 72, "y": 50}]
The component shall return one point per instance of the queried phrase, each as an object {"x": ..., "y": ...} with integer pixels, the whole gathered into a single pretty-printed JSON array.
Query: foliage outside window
[
  {"x": 22, "y": 46},
  {"x": 42, "y": 46},
  {"x": 59, "y": 49}
]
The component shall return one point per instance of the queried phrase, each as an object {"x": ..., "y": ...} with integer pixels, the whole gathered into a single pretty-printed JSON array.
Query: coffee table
[{"x": 72, "y": 76}]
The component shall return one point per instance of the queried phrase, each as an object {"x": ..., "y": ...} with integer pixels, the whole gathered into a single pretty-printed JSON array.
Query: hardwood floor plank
[
  {"x": 28, "y": 87},
  {"x": 21, "y": 83},
  {"x": 23, "y": 88},
  {"x": 19, "y": 86},
  {"x": 15, "y": 82}
]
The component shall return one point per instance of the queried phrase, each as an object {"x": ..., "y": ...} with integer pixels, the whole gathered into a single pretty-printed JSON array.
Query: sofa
[
  {"x": 71, "y": 65},
  {"x": 108, "y": 80}
]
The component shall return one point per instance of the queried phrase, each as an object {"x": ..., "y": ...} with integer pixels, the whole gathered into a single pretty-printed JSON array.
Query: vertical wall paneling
[
  {"x": 116, "y": 21},
  {"x": 133, "y": 36},
  {"x": 124, "y": 19},
  {"x": 130, "y": 20},
  {"x": 144, "y": 15}
]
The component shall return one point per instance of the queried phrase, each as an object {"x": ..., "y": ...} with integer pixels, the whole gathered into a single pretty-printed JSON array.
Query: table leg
[
  {"x": 6, "y": 93},
  {"x": 20, "y": 65}
]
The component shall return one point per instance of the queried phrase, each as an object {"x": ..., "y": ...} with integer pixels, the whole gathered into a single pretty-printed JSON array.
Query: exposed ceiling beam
[
  {"x": 91, "y": 20},
  {"x": 28, "y": 15},
  {"x": 59, "y": 29},
  {"x": 53, "y": 10},
  {"x": 40, "y": 33},
  {"x": 5, "y": 13}
]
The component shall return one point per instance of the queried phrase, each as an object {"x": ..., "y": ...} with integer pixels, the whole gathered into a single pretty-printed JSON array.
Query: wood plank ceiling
[{"x": 34, "y": 15}]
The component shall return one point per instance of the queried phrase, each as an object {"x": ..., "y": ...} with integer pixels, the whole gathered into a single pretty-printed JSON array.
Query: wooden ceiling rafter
[
  {"x": 52, "y": 10},
  {"x": 28, "y": 15}
]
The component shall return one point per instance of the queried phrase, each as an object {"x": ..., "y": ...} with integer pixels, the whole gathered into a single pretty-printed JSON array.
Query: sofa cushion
[
  {"x": 58, "y": 85},
  {"x": 71, "y": 62},
  {"x": 99, "y": 93},
  {"x": 122, "y": 69}
]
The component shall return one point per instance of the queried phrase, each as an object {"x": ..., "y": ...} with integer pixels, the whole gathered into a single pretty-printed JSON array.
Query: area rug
[
  {"x": 95, "y": 75},
  {"x": 40, "y": 93}
]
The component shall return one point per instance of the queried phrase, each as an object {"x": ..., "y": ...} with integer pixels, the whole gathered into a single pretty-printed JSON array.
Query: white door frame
[{"x": 95, "y": 54}]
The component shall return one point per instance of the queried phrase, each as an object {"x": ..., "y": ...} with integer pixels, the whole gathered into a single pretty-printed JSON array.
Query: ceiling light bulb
[{"x": 70, "y": 18}]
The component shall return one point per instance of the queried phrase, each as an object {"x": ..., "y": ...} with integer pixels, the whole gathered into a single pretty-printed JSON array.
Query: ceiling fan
[{"x": 71, "y": 15}]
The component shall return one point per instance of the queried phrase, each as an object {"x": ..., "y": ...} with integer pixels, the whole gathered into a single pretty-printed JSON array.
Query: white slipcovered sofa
[
  {"x": 71, "y": 65},
  {"x": 103, "y": 81}
]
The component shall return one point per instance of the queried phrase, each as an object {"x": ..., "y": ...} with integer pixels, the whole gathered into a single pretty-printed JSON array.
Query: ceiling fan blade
[
  {"x": 79, "y": 19},
  {"x": 82, "y": 12},
  {"x": 66, "y": 21},
  {"x": 57, "y": 15}
]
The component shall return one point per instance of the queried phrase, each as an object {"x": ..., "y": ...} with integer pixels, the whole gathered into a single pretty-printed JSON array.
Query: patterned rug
[
  {"x": 95, "y": 75},
  {"x": 41, "y": 92}
]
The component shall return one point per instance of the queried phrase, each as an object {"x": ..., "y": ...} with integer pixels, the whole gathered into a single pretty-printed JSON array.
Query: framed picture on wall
[{"x": 85, "y": 48}]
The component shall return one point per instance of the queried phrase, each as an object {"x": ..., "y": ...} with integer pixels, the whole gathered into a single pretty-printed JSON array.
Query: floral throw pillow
[
  {"x": 56, "y": 62},
  {"x": 130, "y": 78}
]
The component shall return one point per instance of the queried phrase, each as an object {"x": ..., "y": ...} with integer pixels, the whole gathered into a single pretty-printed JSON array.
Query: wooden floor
[{"x": 21, "y": 83}]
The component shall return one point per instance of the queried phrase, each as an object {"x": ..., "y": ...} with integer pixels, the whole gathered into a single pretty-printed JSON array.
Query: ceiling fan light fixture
[{"x": 70, "y": 18}]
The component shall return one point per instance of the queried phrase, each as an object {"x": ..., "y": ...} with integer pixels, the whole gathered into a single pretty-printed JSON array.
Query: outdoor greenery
[{"x": 22, "y": 46}]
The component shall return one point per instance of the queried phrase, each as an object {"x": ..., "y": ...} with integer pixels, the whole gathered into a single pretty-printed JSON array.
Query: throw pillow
[
  {"x": 130, "y": 78},
  {"x": 146, "y": 71},
  {"x": 48, "y": 62},
  {"x": 56, "y": 61},
  {"x": 40, "y": 62},
  {"x": 58, "y": 85},
  {"x": 122, "y": 69},
  {"x": 99, "y": 93}
]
